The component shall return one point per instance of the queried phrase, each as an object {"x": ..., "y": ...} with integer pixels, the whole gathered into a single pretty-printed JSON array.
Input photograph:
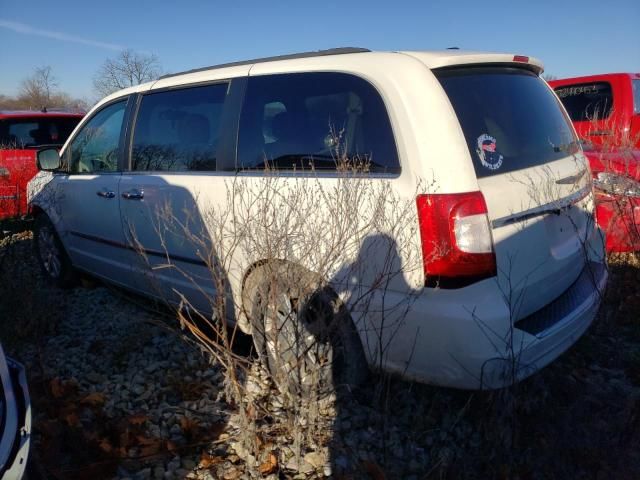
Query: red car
[
  {"x": 21, "y": 135},
  {"x": 605, "y": 109}
]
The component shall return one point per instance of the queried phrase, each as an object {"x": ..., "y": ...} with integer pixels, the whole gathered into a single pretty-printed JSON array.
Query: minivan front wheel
[
  {"x": 52, "y": 257},
  {"x": 304, "y": 335}
]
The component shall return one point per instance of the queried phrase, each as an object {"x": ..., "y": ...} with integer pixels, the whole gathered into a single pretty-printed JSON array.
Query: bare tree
[
  {"x": 127, "y": 69},
  {"x": 36, "y": 91}
]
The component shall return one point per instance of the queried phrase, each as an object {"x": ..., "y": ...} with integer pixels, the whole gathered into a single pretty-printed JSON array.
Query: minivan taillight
[{"x": 457, "y": 247}]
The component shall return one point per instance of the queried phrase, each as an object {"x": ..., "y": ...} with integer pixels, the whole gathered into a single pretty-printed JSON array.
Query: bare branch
[{"x": 129, "y": 68}]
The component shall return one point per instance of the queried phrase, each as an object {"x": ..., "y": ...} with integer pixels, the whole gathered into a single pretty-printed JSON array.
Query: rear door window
[
  {"x": 178, "y": 130},
  {"x": 636, "y": 97},
  {"x": 318, "y": 121},
  {"x": 510, "y": 118},
  {"x": 587, "y": 101}
]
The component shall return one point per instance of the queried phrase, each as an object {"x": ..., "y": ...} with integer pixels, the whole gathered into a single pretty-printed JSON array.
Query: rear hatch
[{"x": 532, "y": 174}]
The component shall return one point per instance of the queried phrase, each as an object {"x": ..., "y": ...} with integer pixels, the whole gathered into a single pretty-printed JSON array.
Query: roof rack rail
[{"x": 291, "y": 56}]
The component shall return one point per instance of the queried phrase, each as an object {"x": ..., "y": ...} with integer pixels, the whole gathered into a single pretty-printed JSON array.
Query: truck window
[{"x": 587, "y": 101}]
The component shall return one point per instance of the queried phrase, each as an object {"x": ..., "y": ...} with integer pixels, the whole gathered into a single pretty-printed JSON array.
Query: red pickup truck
[
  {"x": 605, "y": 110},
  {"x": 21, "y": 135}
]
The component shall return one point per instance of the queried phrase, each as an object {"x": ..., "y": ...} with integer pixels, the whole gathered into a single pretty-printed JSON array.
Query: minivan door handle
[
  {"x": 105, "y": 193},
  {"x": 133, "y": 195}
]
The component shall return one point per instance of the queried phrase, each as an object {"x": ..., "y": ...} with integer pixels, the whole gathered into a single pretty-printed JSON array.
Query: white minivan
[{"x": 512, "y": 265}]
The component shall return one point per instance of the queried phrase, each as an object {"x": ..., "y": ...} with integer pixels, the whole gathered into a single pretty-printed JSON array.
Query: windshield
[
  {"x": 510, "y": 118},
  {"x": 36, "y": 131}
]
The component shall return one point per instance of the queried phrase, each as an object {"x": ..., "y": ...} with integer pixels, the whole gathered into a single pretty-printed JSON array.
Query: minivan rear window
[
  {"x": 587, "y": 101},
  {"x": 510, "y": 118}
]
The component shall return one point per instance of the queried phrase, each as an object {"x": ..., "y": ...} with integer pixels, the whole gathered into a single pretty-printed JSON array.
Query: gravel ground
[{"x": 119, "y": 393}]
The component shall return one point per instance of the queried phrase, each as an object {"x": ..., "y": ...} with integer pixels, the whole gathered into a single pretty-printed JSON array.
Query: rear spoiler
[{"x": 478, "y": 59}]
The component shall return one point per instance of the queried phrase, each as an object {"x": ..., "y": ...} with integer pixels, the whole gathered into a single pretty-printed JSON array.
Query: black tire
[
  {"x": 303, "y": 333},
  {"x": 52, "y": 257}
]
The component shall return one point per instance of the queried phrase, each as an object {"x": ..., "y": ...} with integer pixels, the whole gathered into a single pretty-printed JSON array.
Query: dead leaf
[
  {"x": 232, "y": 474},
  {"x": 251, "y": 412},
  {"x": 374, "y": 470},
  {"x": 95, "y": 399},
  {"x": 216, "y": 430},
  {"x": 171, "y": 446},
  {"x": 72, "y": 419},
  {"x": 207, "y": 461},
  {"x": 190, "y": 426},
  {"x": 137, "y": 419},
  {"x": 186, "y": 423},
  {"x": 105, "y": 445},
  {"x": 142, "y": 440},
  {"x": 149, "y": 446},
  {"x": 125, "y": 439},
  {"x": 57, "y": 389},
  {"x": 270, "y": 465},
  {"x": 90, "y": 435}
]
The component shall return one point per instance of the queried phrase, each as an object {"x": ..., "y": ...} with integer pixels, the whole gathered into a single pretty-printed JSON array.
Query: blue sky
[{"x": 75, "y": 37}]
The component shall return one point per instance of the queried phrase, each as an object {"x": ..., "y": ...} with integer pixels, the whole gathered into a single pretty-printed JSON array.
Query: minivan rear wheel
[
  {"x": 52, "y": 257},
  {"x": 304, "y": 335}
]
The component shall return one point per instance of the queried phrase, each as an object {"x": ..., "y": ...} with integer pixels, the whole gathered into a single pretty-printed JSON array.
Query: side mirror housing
[{"x": 48, "y": 159}]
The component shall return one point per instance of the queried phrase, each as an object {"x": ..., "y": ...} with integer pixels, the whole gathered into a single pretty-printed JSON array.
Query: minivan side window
[
  {"x": 315, "y": 121},
  {"x": 587, "y": 101},
  {"x": 96, "y": 147},
  {"x": 177, "y": 130}
]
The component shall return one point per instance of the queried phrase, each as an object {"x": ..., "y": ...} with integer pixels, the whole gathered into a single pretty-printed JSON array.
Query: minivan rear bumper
[{"x": 473, "y": 344}]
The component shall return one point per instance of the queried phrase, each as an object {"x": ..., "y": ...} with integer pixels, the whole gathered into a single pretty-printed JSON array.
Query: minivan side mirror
[{"x": 48, "y": 159}]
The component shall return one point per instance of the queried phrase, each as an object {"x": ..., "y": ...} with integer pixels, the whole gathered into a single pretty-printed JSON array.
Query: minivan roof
[
  {"x": 431, "y": 58},
  {"x": 292, "y": 56},
  {"x": 357, "y": 57}
]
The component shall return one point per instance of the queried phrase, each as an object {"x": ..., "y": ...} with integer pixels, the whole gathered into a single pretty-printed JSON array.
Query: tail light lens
[{"x": 457, "y": 247}]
